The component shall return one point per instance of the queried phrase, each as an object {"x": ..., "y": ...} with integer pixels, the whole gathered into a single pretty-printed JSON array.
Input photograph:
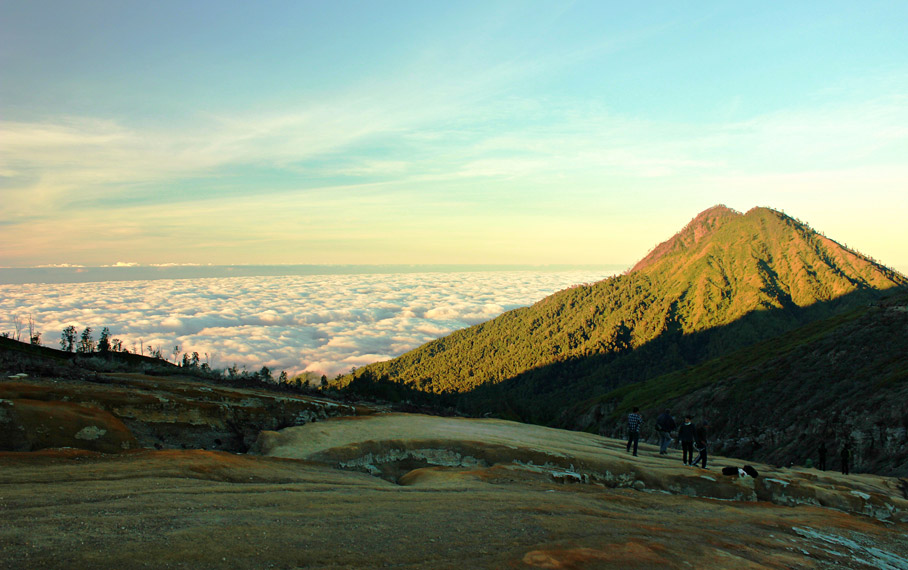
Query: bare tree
[
  {"x": 17, "y": 323},
  {"x": 206, "y": 366},
  {"x": 176, "y": 353},
  {"x": 34, "y": 337}
]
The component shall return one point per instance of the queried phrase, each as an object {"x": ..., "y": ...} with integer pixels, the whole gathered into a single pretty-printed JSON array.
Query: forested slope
[{"x": 839, "y": 379}]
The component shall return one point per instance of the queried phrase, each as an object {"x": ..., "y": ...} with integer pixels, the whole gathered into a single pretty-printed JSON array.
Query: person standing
[
  {"x": 665, "y": 425},
  {"x": 846, "y": 457},
  {"x": 634, "y": 420},
  {"x": 686, "y": 436},
  {"x": 822, "y": 453},
  {"x": 701, "y": 440}
]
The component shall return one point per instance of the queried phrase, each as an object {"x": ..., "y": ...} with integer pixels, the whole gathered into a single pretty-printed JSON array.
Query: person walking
[
  {"x": 634, "y": 420},
  {"x": 822, "y": 453},
  {"x": 686, "y": 436},
  {"x": 665, "y": 425},
  {"x": 701, "y": 441},
  {"x": 846, "y": 458}
]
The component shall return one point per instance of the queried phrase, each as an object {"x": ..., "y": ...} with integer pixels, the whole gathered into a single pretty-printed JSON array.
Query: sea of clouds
[{"x": 325, "y": 324}]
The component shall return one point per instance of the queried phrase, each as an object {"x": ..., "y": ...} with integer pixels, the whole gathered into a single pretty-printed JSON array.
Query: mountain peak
[
  {"x": 725, "y": 281},
  {"x": 716, "y": 211},
  {"x": 702, "y": 225}
]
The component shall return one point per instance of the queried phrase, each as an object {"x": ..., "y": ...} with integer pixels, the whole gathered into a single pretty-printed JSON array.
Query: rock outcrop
[
  {"x": 124, "y": 411},
  {"x": 26, "y": 425}
]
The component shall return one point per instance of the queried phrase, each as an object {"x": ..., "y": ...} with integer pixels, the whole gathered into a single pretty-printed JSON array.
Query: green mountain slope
[
  {"x": 841, "y": 378},
  {"x": 727, "y": 280}
]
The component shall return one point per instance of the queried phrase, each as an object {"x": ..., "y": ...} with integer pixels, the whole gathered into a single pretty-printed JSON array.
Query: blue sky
[{"x": 429, "y": 132}]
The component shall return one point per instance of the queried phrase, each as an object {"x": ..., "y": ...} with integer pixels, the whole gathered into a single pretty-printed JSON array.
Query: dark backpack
[{"x": 732, "y": 471}]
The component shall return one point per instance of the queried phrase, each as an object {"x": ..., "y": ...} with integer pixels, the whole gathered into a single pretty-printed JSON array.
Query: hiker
[
  {"x": 846, "y": 456},
  {"x": 686, "y": 437},
  {"x": 634, "y": 420},
  {"x": 665, "y": 425},
  {"x": 822, "y": 453},
  {"x": 701, "y": 435}
]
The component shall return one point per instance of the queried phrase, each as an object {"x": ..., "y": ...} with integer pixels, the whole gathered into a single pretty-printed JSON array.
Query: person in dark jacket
[
  {"x": 822, "y": 453},
  {"x": 665, "y": 425},
  {"x": 701, "y": 442},
  {"x": 634, "y": 420},
  {"x": 686, "y": 436}
]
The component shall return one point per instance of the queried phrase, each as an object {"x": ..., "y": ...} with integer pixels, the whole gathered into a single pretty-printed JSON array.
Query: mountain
[{"x": 725, "y": 281}]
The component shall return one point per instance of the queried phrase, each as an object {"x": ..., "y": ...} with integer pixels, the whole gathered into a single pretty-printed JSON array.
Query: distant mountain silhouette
[{"x": 725, "y": 281}]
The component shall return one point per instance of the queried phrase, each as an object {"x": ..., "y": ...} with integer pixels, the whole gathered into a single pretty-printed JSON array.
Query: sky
[
  {"x": 323, "y": 324},
  {"x": 340, "y": 132}
]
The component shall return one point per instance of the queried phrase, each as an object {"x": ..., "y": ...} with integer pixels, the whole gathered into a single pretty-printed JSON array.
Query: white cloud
[{"x": 324, "y": 324}]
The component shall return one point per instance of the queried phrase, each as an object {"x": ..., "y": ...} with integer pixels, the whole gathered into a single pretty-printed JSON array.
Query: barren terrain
[{"x": 411, "y": 491}]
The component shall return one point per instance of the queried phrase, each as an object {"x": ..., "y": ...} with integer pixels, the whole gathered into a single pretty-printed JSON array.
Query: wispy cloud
[{"x": 375, "y": 161}]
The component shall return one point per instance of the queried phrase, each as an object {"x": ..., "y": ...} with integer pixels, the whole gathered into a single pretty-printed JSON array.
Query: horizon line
[{"x": 88, "y": 274}]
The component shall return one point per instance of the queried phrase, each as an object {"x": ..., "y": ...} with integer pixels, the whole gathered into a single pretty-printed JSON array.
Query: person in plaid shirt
[{"x": 634, "y": 421}]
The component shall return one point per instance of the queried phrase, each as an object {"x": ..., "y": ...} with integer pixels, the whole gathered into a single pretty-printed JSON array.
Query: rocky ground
[
  {"x": 117, "y": 412},
  {"x": 411, "y": 491}
]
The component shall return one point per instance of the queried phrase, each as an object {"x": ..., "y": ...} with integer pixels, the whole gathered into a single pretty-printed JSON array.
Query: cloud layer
[{"x": 324, "y": 323}]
